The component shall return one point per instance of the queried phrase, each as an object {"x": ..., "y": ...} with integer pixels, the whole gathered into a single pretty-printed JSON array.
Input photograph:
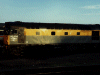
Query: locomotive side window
[
  {"x": 95, "y": 35},
  {"x": 66, "y": 33},
  {"x": 52, "y": 33},
  {"x": 78, "y": 33},
  {"x": 37, "y": 33}
]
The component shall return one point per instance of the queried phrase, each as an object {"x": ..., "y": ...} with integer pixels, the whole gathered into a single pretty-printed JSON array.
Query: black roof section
[
  {"x": 2, "y": 24},
  {"x": 53, "y": 25}
]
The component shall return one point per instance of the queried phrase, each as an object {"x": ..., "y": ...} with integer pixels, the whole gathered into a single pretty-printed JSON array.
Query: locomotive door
[
  {"x": 95, "y": 35},
  {"x": 21, "y": 36}
]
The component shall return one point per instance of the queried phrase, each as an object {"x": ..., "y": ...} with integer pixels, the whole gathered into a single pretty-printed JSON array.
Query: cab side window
[{"x": 13, "y": 31}]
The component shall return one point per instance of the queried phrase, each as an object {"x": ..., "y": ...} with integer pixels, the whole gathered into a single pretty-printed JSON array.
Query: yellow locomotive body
[{"x": 52, "y": 36}]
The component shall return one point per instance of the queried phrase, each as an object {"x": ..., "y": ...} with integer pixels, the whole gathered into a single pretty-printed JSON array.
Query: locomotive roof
[{"x": 53, "y": 25}]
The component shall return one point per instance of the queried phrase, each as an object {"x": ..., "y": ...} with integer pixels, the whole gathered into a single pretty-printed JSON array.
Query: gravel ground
[{"x": 84, "y": 59}]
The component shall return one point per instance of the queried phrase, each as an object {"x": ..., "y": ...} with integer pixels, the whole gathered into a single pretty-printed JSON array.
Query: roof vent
[
  {"x": 97, "y": 24},
  {"x": 18, "y": 21}
]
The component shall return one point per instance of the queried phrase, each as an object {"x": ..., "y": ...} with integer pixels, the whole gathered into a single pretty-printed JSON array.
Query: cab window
[{"x": 13, "y": 31}]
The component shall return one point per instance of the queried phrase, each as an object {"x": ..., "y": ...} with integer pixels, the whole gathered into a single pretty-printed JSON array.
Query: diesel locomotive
[{"x": 23, "y": 34}]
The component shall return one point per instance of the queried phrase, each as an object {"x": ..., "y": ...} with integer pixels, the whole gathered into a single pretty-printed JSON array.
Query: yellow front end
[{"x": 6, "y": 40}]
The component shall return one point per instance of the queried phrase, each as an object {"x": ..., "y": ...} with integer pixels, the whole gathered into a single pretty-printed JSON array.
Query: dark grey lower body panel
[
  {"x": 59, "y": 39},
  {"x": 42, "y": 40}
]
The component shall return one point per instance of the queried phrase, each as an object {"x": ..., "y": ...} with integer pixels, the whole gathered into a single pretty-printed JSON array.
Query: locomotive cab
[{"x": 10, "y": 35}]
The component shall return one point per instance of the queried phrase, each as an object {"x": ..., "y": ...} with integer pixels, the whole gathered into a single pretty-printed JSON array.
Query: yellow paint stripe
[{"x": 58, "y": 32}]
